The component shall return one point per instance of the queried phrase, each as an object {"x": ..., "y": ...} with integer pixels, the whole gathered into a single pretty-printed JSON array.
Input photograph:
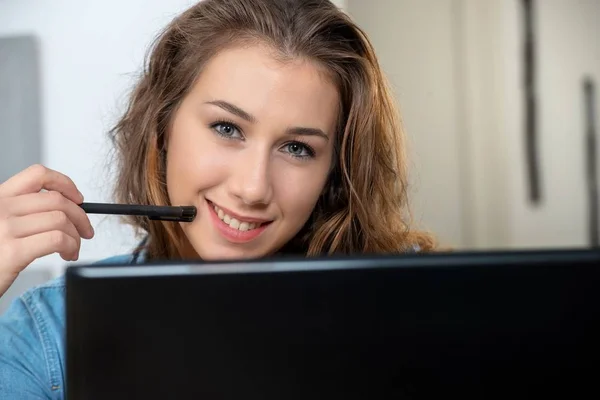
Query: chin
[{"x": 224, "y": 253}]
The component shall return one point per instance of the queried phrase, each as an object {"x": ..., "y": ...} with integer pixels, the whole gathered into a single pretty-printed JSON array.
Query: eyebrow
[{"x": 235, "y": 110}]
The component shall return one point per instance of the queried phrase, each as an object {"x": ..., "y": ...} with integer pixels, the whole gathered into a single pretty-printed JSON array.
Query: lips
[
  {"x": 234, "y": 227},
  {"x": 238, "y": 223}
]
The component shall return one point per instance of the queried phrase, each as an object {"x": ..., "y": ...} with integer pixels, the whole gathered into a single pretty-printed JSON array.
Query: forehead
[{"x": 254, "y": 79}]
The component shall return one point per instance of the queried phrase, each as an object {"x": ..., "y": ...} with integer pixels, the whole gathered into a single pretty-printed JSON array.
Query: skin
[{"x": 255, "y": 140}]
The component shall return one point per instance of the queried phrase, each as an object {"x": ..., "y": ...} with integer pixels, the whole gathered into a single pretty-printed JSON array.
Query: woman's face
[{"x": 251, "y": 147}]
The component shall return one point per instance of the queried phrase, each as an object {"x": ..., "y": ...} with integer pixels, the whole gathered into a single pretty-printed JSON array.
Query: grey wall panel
[
  {"x": 20, "y": 108},
  {"x": 20, "y": 127}
]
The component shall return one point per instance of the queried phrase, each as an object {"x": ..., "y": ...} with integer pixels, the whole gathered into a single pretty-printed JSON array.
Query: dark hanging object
[
  {"x": 532, "y": 162},
  {"x": 589, "y": 91}
]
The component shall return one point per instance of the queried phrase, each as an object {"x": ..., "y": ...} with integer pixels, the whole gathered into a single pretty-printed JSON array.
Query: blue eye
[
  {"x": 299, "y": 150},
  {"x": 227, "y": 130}
]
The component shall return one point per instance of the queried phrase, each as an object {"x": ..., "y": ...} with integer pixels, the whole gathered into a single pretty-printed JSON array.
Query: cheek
[
  {"x": 298, "y": 191},
  {"x": 194, "y": 162}
]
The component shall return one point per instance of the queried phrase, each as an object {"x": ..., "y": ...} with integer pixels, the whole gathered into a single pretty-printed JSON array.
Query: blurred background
[{"x": 457, "y": 67}]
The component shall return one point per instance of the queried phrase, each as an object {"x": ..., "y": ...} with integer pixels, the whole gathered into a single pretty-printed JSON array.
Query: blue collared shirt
[{"x": 32, "y": 352}]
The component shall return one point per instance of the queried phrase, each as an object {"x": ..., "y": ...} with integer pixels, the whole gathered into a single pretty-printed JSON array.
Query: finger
[
  {"x": 35, "y": 203},
  {"x": 38, "y": 177},
  {"x": 22, "y": 252},
  {"x": 32, "y": 224}
]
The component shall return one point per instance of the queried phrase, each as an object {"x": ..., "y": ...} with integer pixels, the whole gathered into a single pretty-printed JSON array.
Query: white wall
[
  {"x": 340, "y": 3},
  {"x": 90, "y": 52},
  {"x": 483, "y": 123},
  {"x": 569, "y": 48},
  {"x": 457, "y": 69}
]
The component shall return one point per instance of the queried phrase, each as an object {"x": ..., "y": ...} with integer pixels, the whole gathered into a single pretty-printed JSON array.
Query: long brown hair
[{"x": 364, "y": 207}]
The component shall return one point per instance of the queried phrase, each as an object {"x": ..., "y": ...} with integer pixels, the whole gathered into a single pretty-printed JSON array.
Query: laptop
[{"x": 478, "y": 325}]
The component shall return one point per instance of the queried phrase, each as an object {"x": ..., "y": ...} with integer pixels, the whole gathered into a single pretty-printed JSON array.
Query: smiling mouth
[{"x": 235, "y": 223}]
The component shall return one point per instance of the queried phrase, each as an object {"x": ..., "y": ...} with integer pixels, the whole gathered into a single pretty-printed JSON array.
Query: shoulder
[
  {"x": 415, "y": 248},
  {"x": 32, "y": 354},
  {"x": 48, "y": 299},
  {"x": 120, "y": 259},
  {"x": 31, "y": 351}
]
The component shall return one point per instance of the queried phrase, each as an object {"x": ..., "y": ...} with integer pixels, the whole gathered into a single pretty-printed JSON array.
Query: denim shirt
[{"x": 32, "y": 352}]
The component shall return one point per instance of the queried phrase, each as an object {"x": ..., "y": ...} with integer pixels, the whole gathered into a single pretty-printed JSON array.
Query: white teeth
[{"x": 234, "y": 223}]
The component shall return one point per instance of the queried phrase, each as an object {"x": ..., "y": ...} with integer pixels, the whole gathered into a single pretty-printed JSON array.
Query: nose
[{"x": 250, "y": 179}]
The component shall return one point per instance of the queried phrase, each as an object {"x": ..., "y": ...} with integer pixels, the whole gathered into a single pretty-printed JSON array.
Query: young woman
[{"x": 272, "y": 117}]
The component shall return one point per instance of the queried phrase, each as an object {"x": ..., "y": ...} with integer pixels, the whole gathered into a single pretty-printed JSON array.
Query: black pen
[{"x": 161, "y": 213}]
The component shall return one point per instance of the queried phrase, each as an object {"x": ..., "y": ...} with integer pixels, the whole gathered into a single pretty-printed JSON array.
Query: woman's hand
[{"x": 39, "y": 215}]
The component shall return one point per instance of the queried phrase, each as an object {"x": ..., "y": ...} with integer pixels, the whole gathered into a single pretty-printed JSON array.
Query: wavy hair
[{"x": 364, "y": 207}]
